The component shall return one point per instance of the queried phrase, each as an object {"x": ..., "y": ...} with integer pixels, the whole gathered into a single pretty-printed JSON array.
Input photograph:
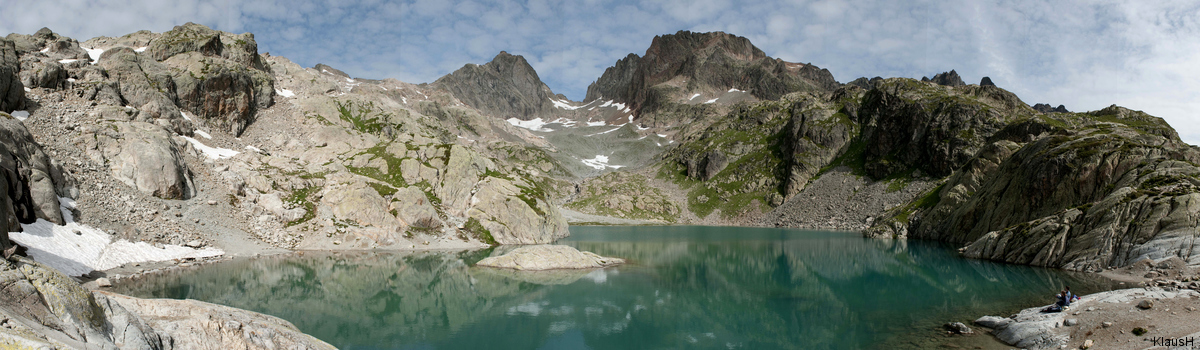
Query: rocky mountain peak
[
  {"x": 686, "y": 62},
  {"x": 950, "y": 78},
  {"x": 506, "y": 87}
]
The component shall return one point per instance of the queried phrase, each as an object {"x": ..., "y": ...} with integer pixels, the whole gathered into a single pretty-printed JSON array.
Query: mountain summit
[
  {"x": 506, "y": 87},
  {"x": 688, "y": 62}
]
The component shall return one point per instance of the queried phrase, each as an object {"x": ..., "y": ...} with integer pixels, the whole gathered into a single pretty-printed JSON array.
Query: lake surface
[{"x": 685, "y": 287}]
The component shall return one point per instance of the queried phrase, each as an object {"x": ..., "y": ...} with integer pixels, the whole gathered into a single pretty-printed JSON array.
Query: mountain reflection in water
[{"x": 685, "y": 286}]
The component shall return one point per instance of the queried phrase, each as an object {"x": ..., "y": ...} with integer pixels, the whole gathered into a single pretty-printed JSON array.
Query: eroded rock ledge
[{"x": 548, "y": 257}]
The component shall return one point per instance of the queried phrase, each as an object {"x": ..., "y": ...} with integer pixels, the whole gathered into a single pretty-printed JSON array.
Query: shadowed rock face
[
  {"x": 506, "y": 87},
  {"x": 12, "y": 92},
  {"x": 713, "y": 61},
  {"x": 30, "y": 182}
]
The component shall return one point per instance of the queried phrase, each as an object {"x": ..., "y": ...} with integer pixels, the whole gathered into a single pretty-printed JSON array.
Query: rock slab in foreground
[{"x": 548, "y": 257}]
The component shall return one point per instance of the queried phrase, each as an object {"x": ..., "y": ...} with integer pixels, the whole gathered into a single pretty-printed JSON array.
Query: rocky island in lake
[{"x": 132, "y": 159}]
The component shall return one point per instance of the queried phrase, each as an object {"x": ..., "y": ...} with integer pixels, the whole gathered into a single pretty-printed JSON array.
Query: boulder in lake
[{"x": 548, "y": 257}]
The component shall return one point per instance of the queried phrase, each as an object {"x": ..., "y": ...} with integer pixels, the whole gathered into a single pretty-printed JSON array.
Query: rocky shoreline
[{"x": 1162, "y": 308}]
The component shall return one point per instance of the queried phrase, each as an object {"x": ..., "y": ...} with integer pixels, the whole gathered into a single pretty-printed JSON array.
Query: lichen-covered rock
[
  {"x": 548, "y": 257},
  {"x": 146, "y": 157}
]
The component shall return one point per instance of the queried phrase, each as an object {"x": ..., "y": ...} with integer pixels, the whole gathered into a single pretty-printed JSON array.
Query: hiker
[{"x": 1064, "y": 299}]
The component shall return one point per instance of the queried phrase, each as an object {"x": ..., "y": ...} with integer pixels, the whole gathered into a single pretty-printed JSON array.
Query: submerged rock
[{"x": 548, "y": 257}]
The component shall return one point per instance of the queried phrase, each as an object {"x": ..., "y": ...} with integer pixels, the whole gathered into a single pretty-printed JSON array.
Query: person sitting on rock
[{"x": 1064, "y": 299}]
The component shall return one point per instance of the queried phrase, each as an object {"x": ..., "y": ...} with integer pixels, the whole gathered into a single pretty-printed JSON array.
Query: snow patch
[
  {"x": 20, "y": 115},
  {"x": 694, "y": 97},
  {"x": 77, "y": 249},
  {"x": 140, "y": 49},
  {"x": 349, "y": 80},
  {"x": 285, "y": 93},
  {"x": 534, "y": 124},
  {"x": 712, "y": 100},
  {"x": 661, "y": 135},
  {"x": 600, "y": 163},
  {"x": 605, "y": 132},
  {"x": 28, "y": 89},
  {"x": 203, "y": 134},
  {"x": 94, "y": 54},
  {"x": 599, "y": 123},
  {"x": 734, "y": 90},
  {"x": 404, "y": 99},
  {"x": 69, "y": 60},
  {"x": 185, "y": 116},
  {"x": 45, "y": 50},
  {"x": 253, "y": 149},
  {"x": 564, "y": 105},
  {"x": 71, "y": 80},
  {"x": 564, "y": 122},
  {"x": 211, "y": 152}
]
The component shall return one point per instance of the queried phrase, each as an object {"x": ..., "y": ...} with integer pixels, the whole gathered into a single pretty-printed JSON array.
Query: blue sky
[{"x": 1084, "y": 54}]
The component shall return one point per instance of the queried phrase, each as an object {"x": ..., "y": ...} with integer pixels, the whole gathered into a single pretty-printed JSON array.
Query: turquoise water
[{"x": 685, "y": 287}]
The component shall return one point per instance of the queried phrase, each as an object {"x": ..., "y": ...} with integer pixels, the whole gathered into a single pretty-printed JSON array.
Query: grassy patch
[
  {"x": 299, "y": 198},
  {"x": 476, "y": 229}
]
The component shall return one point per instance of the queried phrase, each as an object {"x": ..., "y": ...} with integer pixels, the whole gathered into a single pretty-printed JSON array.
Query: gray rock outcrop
[
  {"x": 146, "y": 157},
  {"x": 218, "y": 76},
  {"x": 12, "y": 92},
  {"x": 986, "y": 81},
  {"x": 548, "y": 257},
  {"x": 41, "y": 307},
  {"x": 31, "y": 181}
]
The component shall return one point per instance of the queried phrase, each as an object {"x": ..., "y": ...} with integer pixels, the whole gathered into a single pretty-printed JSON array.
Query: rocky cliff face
[
  {"x": 679, "y": 64},
  {"x": 506, "y": 87}
]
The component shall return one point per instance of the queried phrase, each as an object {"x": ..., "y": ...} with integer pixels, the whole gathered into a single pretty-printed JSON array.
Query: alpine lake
[{"x": 684, "y": 287}]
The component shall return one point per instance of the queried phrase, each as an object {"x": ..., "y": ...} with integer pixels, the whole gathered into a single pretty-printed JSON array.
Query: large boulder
[
  {"x": 43, "y": 72},
  {"x": 548, "y": 257},
  {"x": 147, "y": 158}
]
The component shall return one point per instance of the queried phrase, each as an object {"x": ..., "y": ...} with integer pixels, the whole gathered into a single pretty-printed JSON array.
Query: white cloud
[{"x": 1086, "y": 55}]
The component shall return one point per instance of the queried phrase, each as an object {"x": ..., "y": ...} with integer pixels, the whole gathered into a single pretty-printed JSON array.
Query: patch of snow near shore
[
  {"x": 534, "y": 124},
  {"x": 92, "y": 249},
  {"x": 94, "y": 54},
  {"x": 599, "y": 163},
  {"x": 203, "y": 134},
  {"x": 20, "y": 115},
  {"x": 211, "y": 152},
  {"x": 285, "y": 93}
]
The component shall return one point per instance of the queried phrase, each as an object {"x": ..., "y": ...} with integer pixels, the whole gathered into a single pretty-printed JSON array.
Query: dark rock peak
[
  {"x": 865, "y": 83},
  {"x": 324, "y": 68},
  {"x": 986, "y": 82},
  {"x": 616, "y": 80},
  {"x": 506, "y": 87},
  {"x": 706, "y": 61},
  {"x": 1045, "y": 108},
  {"x": 950, "y": 78}
]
